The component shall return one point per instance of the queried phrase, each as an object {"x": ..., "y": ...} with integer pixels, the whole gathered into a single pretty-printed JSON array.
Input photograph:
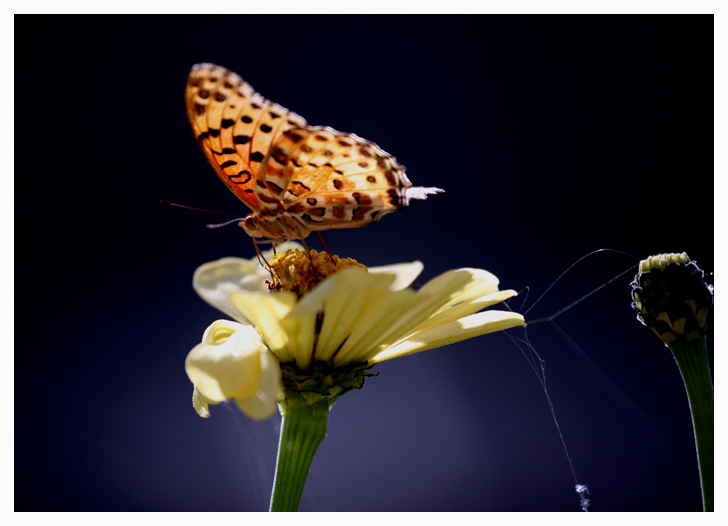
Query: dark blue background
[{"x": 553, "y": 136}]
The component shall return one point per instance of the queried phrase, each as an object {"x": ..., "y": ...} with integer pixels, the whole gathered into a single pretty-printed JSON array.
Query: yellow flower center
[{"x": 299, "y": 271}]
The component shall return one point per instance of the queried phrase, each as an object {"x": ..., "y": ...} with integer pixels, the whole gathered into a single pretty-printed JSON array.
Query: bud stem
[
  {"x": 302, "y": 430},
  {"x": 692, "y": 359}
]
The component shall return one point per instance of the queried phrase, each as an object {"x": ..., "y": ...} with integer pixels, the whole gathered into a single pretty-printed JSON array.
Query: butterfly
[{"x": 294, "y": 177}]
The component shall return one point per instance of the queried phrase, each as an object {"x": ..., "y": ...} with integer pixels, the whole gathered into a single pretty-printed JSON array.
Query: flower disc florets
[
  {"x": 298, "y": 271},
  {"x": 671, "y": 298}
]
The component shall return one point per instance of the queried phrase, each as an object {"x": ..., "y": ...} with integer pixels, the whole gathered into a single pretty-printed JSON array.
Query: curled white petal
[
  {"x": 232, "y": 363},
  {"x": 201, "y": 403},
  {"x": 264, "y": 402}
]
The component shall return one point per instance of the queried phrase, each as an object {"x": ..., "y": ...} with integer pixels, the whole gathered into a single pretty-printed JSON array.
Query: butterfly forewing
[{"x": 235, "y": 127}]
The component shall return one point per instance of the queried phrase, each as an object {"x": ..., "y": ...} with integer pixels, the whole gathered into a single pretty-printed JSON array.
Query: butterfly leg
[
  {"x": 325, "y": 247},
  {"x": 264, "y": 263},
  {"x": 305, "y": 246},
  {"x": 310, "y": 257},
  {"x": 259, "y": 254}
]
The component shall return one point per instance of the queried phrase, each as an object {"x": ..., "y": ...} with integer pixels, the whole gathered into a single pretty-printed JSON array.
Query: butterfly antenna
[
  {"x": 226, "y": 223},
  {"x": 237, "y": 218},
  {"x": 165, "y": 202}
]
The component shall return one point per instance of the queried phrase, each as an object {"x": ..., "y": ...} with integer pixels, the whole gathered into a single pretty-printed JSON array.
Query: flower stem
[
  {"x": 302, "y": 430},
  {"x": 692, "y": 359}
]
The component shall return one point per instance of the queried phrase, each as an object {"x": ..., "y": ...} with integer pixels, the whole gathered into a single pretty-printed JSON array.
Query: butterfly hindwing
[{"x": 339, "y": 180}]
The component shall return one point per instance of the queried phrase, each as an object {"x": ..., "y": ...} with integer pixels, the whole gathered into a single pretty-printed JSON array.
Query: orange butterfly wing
[
  {"x": 335, "y": 179},
  {"x": 294, "y": 177},
  {"x": 235, "y": 127}
]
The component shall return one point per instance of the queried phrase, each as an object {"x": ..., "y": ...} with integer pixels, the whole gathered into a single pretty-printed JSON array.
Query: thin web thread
[
  {"x": 638, "y": 417},
  {"x": 263, "y": 478},
  {"x": 538, "y": 365}
]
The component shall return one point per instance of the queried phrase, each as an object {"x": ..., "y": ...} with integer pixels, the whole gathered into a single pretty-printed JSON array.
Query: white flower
[{"x": 356, "y": 315}]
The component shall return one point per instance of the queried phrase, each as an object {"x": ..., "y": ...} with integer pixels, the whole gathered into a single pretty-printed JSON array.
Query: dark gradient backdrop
[{"x": 552, "y": 136}]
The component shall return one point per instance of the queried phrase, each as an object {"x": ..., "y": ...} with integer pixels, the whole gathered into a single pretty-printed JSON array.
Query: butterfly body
[{"x": 294, "y": 177}]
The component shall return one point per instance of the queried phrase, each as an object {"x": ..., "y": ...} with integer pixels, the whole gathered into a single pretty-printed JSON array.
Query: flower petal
[
  {"x": 381, "y": 317},
  {"x": 264, "y": 403},
  {"x": 452, "y": 312},
  {"x": 455, "y": 331},
  {"x": 213, "y": 281},
  {"x": 201, "y": 403},
  {"x": 226, "y": 364},
  {"x": 463, "y": 284},
  {"x": 406, "y": 273},
  {"x": 342, "y": 298},
  {"x": 446, "y": 289},
  {"x": 266, "y": 311},
  {"x": 300, "y": 329}
]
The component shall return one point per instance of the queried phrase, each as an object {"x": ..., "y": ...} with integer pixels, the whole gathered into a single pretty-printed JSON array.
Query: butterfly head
[{"x": 255, "y": 228}]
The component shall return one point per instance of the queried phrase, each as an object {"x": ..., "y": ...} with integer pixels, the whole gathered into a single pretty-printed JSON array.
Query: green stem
[
  {"x": 302, "y": 430},
  {"x": 692, "y": 359}
]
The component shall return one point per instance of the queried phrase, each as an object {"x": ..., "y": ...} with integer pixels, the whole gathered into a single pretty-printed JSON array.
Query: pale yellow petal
[
  {"x": 465, "y": 284},
  {"x": 258, "y": 406},
  {"x": 213, "y": 281},
  {"x": 390, "y": 316},
  {"x": 227, "y": 363},
  {"x": 455, "y": 331},
  {"x": 266, "y": 311},
  {"x": 374, "y": 332},
  {"x": 380, "y": 320},
  {"x": 300, "y": 323},
  {"x": 343, "y": 298},
  {"x": 264, "y": 402},
  {"x": 201, "y": 403},
  {"x": 300, "y": 329},
  {"x": 460, "y": 310},
  {"x": 406, "y": 273}
]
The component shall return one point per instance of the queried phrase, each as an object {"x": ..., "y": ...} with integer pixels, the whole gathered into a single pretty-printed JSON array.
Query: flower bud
[{"x": 671, "y": 297}]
